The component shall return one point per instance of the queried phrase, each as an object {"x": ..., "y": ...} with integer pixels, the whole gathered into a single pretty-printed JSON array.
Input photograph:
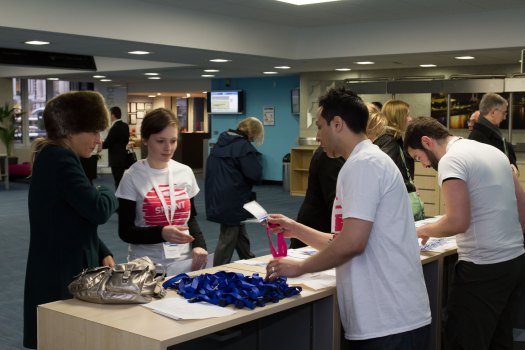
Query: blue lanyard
[{"x": 224, "y": 288}]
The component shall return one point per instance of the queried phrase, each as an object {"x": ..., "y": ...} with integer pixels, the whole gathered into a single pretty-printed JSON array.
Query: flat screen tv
[
  {"x": 225, "y": 102},
  {"x": 295, "y": 100}
]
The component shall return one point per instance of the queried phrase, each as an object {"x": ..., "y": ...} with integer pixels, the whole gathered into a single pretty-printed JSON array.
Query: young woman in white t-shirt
[{"x": 168, "y": 234}]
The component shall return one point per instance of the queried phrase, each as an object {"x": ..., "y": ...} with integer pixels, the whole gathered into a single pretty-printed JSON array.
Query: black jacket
[
  {"x": 393, "y": 147},
  {"x": 64, "y": 213},
  {"x": 484, "y": 134},
  {"x": 232, "y": 168},
  {"x": 116, "y": 142}
]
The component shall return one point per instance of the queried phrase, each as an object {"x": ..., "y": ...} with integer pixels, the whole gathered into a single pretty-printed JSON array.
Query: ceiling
[{"x": 261, "y": 34}]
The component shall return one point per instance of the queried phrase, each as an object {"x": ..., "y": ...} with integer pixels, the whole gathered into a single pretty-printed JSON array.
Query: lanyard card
[{"x": 260, "y": 214}]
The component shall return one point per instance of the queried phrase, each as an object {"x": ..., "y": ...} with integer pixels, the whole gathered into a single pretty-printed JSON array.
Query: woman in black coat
[{"x": 64, "y": 208}]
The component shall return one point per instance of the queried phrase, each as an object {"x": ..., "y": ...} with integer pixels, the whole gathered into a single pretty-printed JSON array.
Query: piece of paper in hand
[{"x": 256, "y": 210}]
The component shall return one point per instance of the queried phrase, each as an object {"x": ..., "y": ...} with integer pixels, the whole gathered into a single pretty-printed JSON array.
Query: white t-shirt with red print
[{"x": 141, "y": 184}]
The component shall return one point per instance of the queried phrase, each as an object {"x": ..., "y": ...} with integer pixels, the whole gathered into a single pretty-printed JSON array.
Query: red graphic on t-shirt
[
  {"x": 154, "y": 212},
  {"x": 337, "y": 216}
]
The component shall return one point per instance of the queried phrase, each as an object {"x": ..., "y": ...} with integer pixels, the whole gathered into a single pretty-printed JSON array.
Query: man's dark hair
[
  {"x": 116, "y": 112},
  {"x": 424, "y": 126},
  {"x": 347, "y": 105}
]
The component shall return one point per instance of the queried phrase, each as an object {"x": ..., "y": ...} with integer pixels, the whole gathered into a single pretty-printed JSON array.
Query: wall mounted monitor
[
  {"x": 295, "y": 99},
  {"x": 225, "y": 102}
]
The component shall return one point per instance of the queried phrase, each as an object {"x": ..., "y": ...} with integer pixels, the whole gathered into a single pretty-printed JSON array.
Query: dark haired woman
[
  {"x": 157, "y": 215},
  {"x": 64, "y": 208}
]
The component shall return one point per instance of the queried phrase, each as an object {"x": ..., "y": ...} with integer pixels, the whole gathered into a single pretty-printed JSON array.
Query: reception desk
[{"x": 306, "y": 321}]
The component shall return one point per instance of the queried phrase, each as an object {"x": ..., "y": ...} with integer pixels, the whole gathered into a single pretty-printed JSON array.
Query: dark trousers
[
  {"x": 416, "y": 339},
  {"x": 232, "y": 237},
  {"x": 483, "y": 303},
  {"x": 117, "y": 172}
]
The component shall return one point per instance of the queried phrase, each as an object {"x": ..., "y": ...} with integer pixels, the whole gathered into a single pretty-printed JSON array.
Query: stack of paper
[{"x": 180, "y": 309}]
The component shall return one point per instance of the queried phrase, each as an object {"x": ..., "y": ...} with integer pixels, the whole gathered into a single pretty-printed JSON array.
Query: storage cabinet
[
  {"x": 300, "y": 158},
  {"x": 429, "y": 190}
]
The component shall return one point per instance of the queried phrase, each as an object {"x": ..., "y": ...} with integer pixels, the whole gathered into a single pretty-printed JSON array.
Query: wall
[{"x": 259, "y": 93}]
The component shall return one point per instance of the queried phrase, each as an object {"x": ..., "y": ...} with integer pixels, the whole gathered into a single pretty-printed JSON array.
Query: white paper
[
  {"x": 301, "y": 253},
  {"x": 256, "y": 210},
  {"x": 439, "y": 245},
  {"x": 252, "y": 262},
  {"x": 180, "y": 309},
  {"x": 315, "y": 281}
]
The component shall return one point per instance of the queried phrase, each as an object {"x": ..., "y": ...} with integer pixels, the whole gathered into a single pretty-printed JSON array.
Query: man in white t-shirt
[
  {"x": 383, "y": 300},
  {"x": 485, "y": 210}
]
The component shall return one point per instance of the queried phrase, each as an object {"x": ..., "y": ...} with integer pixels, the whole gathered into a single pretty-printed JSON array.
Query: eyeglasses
[{"x": 504, "y": 112}]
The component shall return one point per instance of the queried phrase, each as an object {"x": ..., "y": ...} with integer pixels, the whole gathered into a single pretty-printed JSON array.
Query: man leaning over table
[
  {"x": 482, "y": 201},
  {"x": 382, "y": 296}
]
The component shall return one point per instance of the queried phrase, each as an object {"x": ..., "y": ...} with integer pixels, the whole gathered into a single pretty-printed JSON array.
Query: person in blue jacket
[{"x": 232, "y": 168}]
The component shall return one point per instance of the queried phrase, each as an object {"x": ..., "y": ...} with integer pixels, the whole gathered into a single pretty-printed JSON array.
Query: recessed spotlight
[
  {"x": 154, "y": 78},
  {"x": 99, "y": 76},
  {"x": 365, "y": 62},
  {"x": 269, "y": 72},
  {"x": 105, "y": 80},
  {"x": 188, "y": 95},
  {"x": 282, "y": 67},
  {"x": 154, "y": 74},
  {"x": 211, "y": 70},
  {"x": 207, "y": 75},
  {"x": 220, "y": 60},
  {"x": 37, "y": 42},
  {"x": 305, "y": 2},
  {"x": 465, "y": 57},
  {"x": 342, "y": 69},
  {"x": 152, "y": 96},
  {"x": 138, "y": 52},
  {"x": 427, "y": 65},
  {"x": 52, "y": 78}
]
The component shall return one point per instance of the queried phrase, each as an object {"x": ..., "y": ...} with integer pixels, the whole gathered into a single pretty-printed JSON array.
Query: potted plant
[{"x": 7, "y": 127}]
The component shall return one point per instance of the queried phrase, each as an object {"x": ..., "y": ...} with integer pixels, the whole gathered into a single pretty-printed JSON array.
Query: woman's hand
[
  {"x": 108, "y": 261},
  {"x": 285, "y": 224},
  {"x": 199, "y": 258},
  {"x": 283, "y": 268},
  {"x": 176, "y": 234}
]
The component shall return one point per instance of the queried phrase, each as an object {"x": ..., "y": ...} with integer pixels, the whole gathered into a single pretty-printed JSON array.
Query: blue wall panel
[{"x": 260, "y": 93}]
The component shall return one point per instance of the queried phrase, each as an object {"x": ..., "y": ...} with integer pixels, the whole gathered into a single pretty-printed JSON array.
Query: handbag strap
[
  {"x": 406, "y": 167},
  {"x": 224, "y": 288}
]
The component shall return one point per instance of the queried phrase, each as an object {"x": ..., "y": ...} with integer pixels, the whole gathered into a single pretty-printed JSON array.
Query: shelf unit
[
  {"x": 300, "y": 158},
  {"x": 427, "y": 186}
]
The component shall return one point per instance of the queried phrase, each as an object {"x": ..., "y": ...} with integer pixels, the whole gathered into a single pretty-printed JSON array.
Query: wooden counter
[{"x": 307, "y": 321}]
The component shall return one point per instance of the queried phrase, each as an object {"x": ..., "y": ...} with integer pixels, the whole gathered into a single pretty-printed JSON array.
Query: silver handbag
[{"x": 130, "y": 283}]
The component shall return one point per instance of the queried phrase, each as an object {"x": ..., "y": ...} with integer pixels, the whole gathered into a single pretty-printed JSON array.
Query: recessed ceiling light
[
  {"x": 427, "y": 65},
  {"x": 188, "y": 94},
  {"x": 220, "y": 60},
  {"x": 282, "y": 67},
  {"x": 207, "y": 75},
  {"x": 138, "y": 52},
  {"x": 151, "y": 73},
  {"x": 365, "y": 62},
  {"x": 305, "y": 2},
  {"x": 211, "y": 70},
  {"x": 151, "y": 96},
  {"x": 99, "y": 76},
  {"x": 154, "y": 78},
  {"x": 465, "y": 57},
  {"x": 52, "y": 78},
  {"x": 343, "y": 69},
  {"x": 105, "y": 80},
  {"x": 37, "y": 42},
  {"x": 269, "y": 72}
]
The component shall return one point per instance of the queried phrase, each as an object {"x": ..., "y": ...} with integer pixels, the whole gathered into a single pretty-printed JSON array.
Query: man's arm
[
  {"x": 457, "y": 211},
  {"x": 520, "y": 198}
]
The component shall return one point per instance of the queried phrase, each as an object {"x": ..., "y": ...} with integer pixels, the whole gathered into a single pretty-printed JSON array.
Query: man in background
[
  {"x": 472, "y": 120},
  {"x": 116, "y": 143}
]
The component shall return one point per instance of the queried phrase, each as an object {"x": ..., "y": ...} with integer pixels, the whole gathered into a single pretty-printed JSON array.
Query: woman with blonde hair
[{"x": 232, "y": 168}]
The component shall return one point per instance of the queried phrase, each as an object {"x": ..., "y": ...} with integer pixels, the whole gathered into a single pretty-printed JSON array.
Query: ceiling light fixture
[
  {"x": 188, "y": 94},
  {"x": 105, "y": 80},
  {"x": 269, "y": 72},
  {"x": 37, "y": 42},
  {"x": 465, "y": 57},
  {"x": 154, "y": 74},
  {"x": 305, "y": 2},
  {"x": 365, "y": 62},
  {"x": 282, "y": 67},
  {"x": 342, "y": 69},
  {"x": 154, "y": 78},
  {"x": 207, "y": 75},
  {"x": 99, "y": 76},
  {"x": 152, "y": 96},
  {"x": 138, "y": 52},
  {"x": 52, "y": 78},
  {"x": 427, "y": 65},
  {"x": 211, "y": 70},
  {"x": 220, "y": 60}
]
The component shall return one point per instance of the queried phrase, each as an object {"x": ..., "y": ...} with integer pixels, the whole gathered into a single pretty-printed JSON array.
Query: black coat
[
  {"x": 232, "y": 168},
  {"x": 393, "y": 147},
  {"x": 116, "y": 142},
  {"x": 484, "y": 134},
  {"x": 64, "y": 213}
]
